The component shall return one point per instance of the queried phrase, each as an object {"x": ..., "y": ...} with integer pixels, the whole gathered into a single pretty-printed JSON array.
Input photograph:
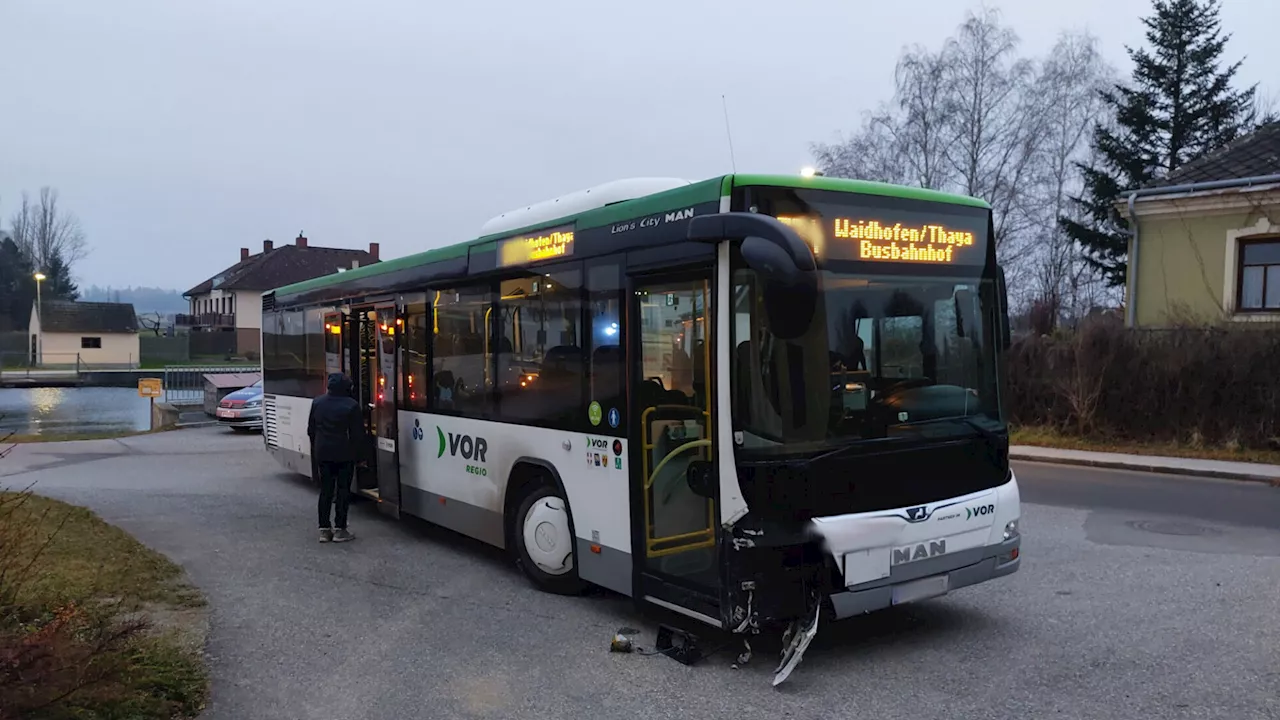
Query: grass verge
[
  {"x": 69, "y": 437},
  {"x": 1052, "y": 438},
  {"x": 92, "y": 623}
]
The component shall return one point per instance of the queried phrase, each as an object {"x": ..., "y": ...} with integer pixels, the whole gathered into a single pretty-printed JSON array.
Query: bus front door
[
  {"x": 675, "y": 536},
  {"x": 383, "y": 421}
]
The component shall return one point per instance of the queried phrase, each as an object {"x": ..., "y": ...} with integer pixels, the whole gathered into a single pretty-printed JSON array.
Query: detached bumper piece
[{"x": 678, "y": 645}]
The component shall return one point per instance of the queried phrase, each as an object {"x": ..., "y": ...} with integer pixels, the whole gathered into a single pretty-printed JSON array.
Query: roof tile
[
  {"x": 60, "y": 316},
  {"x": 1252, "y": 155},
  {"x": 283, "y": 265}
]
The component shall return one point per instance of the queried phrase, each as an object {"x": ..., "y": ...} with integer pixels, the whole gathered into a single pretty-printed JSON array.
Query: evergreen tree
[
  {"x": 59, "y": 284},
  {"x": 1180, "y": 105},
  {"x": 17, "y": 287}
]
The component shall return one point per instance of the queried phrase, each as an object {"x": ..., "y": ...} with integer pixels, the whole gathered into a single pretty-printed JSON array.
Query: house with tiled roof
[
  {"x": 84, "y": 335},
  {"x": 1205, "y": 242},
  {"x": 231, "y": 301}
]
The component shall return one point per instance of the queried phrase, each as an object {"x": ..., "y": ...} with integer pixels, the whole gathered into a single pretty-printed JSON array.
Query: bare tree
[
  {"x": 974, "y": 117},
  {"x": 925, "y": 103},
  {"x": 151, "y": 321},
  {"x": 1067, "y": 87},
  {"x": 905, "y": 140},
  {"x": 995, "y": 123},
  {"x": 873, "y": 153},
  {"x": 45, "y": 231}
]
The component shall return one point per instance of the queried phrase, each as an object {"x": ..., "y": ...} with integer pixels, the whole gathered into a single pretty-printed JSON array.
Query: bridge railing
[{"x": 184, "y": 384}]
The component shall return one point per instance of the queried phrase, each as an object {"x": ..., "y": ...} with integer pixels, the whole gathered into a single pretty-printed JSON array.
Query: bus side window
[
  {"x": 606, "y": 379},
  {"x": 413, "y": 349},
  {"x": 539, "y": 345},
  {"x": 461, "y": 378}
]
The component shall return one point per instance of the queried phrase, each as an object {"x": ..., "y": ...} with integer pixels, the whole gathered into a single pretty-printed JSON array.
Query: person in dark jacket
[{"x": 336, "y": 429}]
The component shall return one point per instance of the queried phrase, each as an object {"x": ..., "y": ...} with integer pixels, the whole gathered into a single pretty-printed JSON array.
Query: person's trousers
[{"x": 335, "y": 490}]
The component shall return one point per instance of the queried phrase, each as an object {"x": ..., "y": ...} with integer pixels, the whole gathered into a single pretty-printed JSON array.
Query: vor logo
[
  {"x": 470, "y": 448},
  {"x": 973, "y": 512}
]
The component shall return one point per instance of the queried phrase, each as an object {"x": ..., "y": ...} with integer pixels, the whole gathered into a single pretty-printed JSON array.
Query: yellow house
[
  {"x": 1206, "y": 239},
  {"x": 80, "y": 334}
]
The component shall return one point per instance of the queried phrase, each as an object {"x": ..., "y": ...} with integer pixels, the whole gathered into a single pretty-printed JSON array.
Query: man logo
[
  {"x": 916, "y": 514},
  {"x": 922, "y": 551},
  {"x": 973, "y": 512}
]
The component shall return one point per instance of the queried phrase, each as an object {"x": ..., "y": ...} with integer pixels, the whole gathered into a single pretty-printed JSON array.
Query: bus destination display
[
  {"x": 871, "y": 240},
  {"x": 543, "y": 245}
]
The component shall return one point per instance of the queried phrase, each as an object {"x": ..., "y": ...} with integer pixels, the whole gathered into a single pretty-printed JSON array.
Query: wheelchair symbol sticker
[{"x": 417, "y": 430}]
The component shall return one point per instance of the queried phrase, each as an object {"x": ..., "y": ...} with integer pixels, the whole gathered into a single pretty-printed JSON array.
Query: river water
[{"x": 67, "y": 411}]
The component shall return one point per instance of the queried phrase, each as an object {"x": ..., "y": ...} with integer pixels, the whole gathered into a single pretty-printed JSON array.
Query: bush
[{"x": 1215, "y": 385}]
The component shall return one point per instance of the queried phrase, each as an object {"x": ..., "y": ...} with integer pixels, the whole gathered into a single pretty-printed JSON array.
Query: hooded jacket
[{"x": 336, "y": 427}]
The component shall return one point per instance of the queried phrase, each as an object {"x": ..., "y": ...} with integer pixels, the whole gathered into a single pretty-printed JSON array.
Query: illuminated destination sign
[
  {"x": 904, "y": 243},
  {"x": 544, "y": 245},
  {"x": 877, "y": 241}
]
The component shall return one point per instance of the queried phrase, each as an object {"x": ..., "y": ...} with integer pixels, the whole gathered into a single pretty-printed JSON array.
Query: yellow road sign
[{"x": 150, "y": 387}]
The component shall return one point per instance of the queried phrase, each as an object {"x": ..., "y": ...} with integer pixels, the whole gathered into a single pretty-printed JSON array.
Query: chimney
[
  {"x": 373, "y": 250},
  {"x": 301, "y": 240},
  {"x": 267, "y": 245},
  {"x": 244, "y": 254}
]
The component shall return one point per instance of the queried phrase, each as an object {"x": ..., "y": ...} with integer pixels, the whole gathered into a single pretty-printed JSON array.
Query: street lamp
[{"x": 40, "y": 314}]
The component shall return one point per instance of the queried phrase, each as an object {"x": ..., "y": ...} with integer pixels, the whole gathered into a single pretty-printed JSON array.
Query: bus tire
[{"x": 543, "y": 541}]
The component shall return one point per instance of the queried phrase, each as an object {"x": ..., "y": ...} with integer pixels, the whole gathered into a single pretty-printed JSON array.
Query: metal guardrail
[{"x": 184, "y": 384}]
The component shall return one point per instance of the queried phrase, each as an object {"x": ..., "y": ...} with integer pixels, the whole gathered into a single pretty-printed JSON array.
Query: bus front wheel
[{"x": 544, "y": 543}]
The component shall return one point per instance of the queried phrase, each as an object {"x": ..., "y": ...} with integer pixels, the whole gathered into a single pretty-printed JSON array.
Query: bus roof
[{"x": 665, "y": 200}]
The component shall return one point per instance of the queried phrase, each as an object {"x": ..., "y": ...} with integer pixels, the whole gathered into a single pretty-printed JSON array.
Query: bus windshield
[{"x": 885, "y": 356}]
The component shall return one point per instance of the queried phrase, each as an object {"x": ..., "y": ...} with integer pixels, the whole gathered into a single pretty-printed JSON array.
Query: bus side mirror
[
  {"x": 783, "y": 262},
  {"x": 790, "y": 294}
]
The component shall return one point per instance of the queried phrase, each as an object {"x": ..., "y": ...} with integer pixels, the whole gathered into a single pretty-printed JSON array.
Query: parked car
[{"x": 242, "y": 409}]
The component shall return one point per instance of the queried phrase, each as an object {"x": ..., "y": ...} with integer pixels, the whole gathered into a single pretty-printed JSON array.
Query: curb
[{"x": 1139, "y": 466}]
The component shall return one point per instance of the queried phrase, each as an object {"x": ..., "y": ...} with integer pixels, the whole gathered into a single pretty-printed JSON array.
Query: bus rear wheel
[{"x": 544, "y": 544}]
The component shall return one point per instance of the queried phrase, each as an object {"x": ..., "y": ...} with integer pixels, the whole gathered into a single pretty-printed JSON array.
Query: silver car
[{"x": 242, "y": 409}]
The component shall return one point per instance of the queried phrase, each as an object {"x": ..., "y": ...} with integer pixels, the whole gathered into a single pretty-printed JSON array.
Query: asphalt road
[{"x": 1140, "y": 596}]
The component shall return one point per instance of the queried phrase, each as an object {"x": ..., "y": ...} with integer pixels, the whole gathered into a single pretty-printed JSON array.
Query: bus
[{"x": 752, "y": 401}]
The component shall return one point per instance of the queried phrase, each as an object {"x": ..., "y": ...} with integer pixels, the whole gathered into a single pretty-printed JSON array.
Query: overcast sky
[{"x": 180, "y": 132}]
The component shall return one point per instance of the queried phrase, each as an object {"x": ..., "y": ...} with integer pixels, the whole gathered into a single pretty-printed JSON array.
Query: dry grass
[
  {"x": 92, "y": 623},
  {"x": 68, "y": 437},
  {"x": 1041, "y": 436}
]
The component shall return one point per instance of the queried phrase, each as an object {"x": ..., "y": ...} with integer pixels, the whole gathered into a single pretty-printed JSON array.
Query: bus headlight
[{"x": 1011, "y": 530}]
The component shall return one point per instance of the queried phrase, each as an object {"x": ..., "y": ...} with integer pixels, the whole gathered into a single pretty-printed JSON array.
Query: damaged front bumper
[{"x": 928, "y": 578}]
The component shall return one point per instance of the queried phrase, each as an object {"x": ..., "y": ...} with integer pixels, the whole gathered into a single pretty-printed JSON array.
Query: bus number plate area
[{"x": 921, "y": 589}]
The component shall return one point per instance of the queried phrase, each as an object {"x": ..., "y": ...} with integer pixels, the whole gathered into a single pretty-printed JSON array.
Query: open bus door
[
  {"x": 675, "y": 532},
  {"x": 386, "y": 334},
  {"x": 370, "y": 362}
]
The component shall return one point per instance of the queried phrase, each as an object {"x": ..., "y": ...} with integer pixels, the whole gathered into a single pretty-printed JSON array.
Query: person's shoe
[
  {"x": 342, "y": 535},
  {"x": 326, "y": 535}
]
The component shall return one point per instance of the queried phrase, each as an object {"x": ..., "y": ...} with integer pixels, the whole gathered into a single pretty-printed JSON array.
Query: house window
[
  {"x": 1260, "y": 276},
  {"x": 90, "y": 343}
]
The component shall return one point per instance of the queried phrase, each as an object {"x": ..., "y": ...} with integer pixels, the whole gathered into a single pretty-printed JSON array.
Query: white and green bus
[{"x": 751, "y": 401}]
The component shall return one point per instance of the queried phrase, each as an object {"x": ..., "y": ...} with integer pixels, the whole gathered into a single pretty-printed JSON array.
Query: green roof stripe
[{"x": 700, "y": 192}]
